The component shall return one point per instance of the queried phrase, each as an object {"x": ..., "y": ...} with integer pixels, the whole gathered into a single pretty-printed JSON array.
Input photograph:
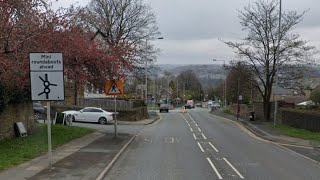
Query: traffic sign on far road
[{"x": 113, "y": 87}]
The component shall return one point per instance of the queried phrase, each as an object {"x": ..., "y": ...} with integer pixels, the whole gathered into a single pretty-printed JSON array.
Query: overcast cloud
[{"x": 192, "y": 29}]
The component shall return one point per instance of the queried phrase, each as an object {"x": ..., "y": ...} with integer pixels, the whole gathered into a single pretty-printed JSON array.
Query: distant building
[{"x": 165, "y": 94}]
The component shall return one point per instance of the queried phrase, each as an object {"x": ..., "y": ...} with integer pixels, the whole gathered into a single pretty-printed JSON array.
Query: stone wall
[
  {"x": 244, "y": 110},
  {"x": 14, "y": 113},
  {"x": 257, "y": 108},
  {"x": 259, "y": 112}
]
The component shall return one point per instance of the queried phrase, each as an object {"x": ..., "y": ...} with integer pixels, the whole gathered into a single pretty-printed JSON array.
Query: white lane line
[
  {"x": 194, "y": 136},
  {"x": 199, "y": 129},
  {"x": 214, "y": 168},
  {"x": 183, "y": 117},
  {"x": 213, "y": 147},
  {"x": 185, "y": 120},
  {"x": 203, "y": 136},
  {"x": 196, "y": 124},
  {"x": 191, "y": 129},
  {"x": 190, "y": 116},
  {"x": 200, "y": 147},
  {"x": 235, "y": 170}
]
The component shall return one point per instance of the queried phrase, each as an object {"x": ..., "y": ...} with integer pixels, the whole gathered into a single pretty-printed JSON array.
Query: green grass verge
[
  {"x": 152, "y": 106},
  {"x": 18, "y": 150},
  {"x": 299, "y": 133},
  {"x": 227, "y": 111}
]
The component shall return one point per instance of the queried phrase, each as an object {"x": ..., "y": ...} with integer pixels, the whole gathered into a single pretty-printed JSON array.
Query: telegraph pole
[{"x": 277, "y": 66}]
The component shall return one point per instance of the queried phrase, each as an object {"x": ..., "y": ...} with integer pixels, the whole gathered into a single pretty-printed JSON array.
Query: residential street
[{"x": 197, "y": 145}]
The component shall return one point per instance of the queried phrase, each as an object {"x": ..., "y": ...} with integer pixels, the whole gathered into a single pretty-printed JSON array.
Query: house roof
[
  {"x": 166, "y": 90},
  {"x": 295, "y": 100},
  {"x": 283, "y": 91},
  {"x": 310, "y": 83}
]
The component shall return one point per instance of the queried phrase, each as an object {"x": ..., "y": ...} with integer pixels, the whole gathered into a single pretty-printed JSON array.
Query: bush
[
  {"x": 227, "y": 110},
  {"x": 3, "y": 98},
  {"x": 315, "y": 96},
  {"x": 13, "y": 95}
]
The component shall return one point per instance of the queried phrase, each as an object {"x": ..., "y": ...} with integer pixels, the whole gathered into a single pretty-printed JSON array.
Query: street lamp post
[
  {"x": 146, "y": 69},
  {"x": 277, "y": 64},
  {"x": 225, "y": 84}
]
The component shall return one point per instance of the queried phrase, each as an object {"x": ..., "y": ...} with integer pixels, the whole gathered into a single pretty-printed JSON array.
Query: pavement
[
  {"x": 262, "y": 130},
  {"x": 37, "y": 165},
  {"x": 83, "y": 158}
]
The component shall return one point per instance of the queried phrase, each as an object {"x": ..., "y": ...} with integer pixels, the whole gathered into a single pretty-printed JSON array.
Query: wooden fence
[
  {"x": 109, "y": 103},
  {"x": 304, "y": 119}
]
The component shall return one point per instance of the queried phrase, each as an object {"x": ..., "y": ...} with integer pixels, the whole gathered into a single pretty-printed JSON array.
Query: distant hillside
[{"x": 209, "y": 74}]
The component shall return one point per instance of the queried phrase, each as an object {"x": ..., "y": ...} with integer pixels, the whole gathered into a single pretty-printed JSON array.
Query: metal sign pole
[
  {"x": 49, "y": 135},
  {"x": 238, "y": 105},
  {"x": 115, "y": 117}
]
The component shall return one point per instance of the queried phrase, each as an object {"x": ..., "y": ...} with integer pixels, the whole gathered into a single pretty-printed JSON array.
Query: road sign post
[
  {"x": 115, "y": 117},
  {"x": 49, "y": 134},
  {"x": 47, "y": 84},
  {"x": 114, "y": 88}
]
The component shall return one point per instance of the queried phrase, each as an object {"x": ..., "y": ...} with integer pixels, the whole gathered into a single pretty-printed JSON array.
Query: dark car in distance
[
  {"x": 164, "y": 107},
  {"x": 187, "y": 106}
]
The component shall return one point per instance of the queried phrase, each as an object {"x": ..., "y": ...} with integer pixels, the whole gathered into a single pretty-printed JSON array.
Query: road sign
[
  {"x": 113, "y": 87},
  {"x": 46, "y": 73}
]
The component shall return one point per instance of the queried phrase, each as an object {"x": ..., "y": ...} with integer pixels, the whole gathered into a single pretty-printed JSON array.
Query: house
[
  {"x": 287, "y": 95},
  {"x": 310, "y": 85},
  {"x": 165, "y": 94}
]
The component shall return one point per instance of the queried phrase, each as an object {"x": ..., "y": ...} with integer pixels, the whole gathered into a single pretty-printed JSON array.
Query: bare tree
[
  {"x": 118, "y": 22},
  {"x": 260, "y": 47},
  {"x": 240, "y": 81}
]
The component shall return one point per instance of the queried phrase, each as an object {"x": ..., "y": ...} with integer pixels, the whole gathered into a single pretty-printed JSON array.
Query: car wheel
[
  {"x": 37, "y": 116},
  {"x": 73, "y": 119},
  {"x": 102, "y": 120}
]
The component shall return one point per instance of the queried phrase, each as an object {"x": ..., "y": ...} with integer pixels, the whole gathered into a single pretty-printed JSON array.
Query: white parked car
[
  {"x": 215, "y": 105},
  {"x": 90, "y": 114}
]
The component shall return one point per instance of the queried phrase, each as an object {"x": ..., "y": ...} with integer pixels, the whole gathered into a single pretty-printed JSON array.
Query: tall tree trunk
[
  {"x": 266, "y": 110},
  {"x": 266, "y": 102},
  {"x": 75, "y": 92}
]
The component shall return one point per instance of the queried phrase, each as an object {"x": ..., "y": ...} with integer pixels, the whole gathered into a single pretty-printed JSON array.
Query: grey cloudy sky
[{"x": 192, "y": 29}]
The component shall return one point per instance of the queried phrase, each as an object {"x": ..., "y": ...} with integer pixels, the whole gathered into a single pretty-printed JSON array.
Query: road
[{"x": 197, "y": 145}]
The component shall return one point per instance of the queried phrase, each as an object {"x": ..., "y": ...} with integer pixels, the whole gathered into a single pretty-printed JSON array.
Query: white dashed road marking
[
  {"x": 235, "y": 170},
  {"x": 204, "y": 137},
  {"x": 200, "y": 147},
  {"x": 213, "y": 147},
  {"x": 214, "y": 168},
  {"x": 194, "y": 136}
]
